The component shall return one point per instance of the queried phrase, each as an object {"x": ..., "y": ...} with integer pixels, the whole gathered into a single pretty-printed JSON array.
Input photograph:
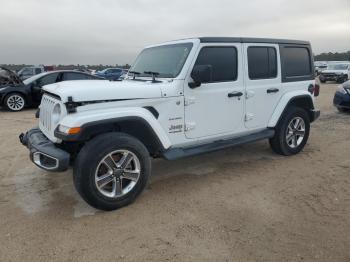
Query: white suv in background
[
  {"x": 338, "y": 72},
  {"x": 181, "y": 98}
]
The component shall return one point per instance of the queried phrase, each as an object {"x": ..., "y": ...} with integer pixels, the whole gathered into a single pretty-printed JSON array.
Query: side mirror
[{"x": 201, "y": 74}]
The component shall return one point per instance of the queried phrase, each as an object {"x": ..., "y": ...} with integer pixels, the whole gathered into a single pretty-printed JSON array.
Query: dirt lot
[{"x": 242, "y": 204}]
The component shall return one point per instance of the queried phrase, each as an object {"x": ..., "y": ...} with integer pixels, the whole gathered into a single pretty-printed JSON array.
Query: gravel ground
[{"x": 241, "y": 204}]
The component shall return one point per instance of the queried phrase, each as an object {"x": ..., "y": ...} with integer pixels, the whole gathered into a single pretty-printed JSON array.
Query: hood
[
  {"x": 334, "y": 71},
  {"x": 95, "y": 90}
]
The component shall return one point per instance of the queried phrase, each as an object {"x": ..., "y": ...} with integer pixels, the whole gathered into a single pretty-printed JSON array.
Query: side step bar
[{"x": 176, "y": 153}]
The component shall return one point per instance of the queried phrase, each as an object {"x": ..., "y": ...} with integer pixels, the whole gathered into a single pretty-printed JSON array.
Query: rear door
[
  {"x": 263, "y": 83},
  {"x": 210, "y": 109}
]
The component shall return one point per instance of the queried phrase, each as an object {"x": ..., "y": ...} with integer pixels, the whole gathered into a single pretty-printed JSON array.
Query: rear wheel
[
  {"x": 292, "y": 132},
  {"x": 15, "y": 102},
  {"x": 112, "y": 170}
]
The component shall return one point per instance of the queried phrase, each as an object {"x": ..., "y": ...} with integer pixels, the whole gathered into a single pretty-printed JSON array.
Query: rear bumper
[
  {"x": 44, "y": 153},
  {"x": 314, "y": 115}
]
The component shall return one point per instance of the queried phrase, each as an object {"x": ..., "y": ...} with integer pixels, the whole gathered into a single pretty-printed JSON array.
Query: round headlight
[{"x": 56, "y": 114}]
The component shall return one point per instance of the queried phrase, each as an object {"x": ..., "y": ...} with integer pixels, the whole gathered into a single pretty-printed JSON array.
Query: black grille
[{"x": 329, "y": 74}]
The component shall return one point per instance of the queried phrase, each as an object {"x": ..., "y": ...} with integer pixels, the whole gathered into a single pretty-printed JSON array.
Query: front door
[
  {"x": 217, "y": 106},
  {"x": 263, "y": 83},
  {"x": 37, "y": 85}
]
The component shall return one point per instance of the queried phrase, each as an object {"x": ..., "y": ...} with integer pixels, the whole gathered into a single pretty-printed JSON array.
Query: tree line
[
  {"x": 333, "y": 56},
  {"x": 345, "y": 56},
  {"x": 16, "y": 68}
]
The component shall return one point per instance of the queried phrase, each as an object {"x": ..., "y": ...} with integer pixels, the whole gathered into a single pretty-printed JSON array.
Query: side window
[
  {"x": 73, "y": 76},
  {"x": 223, "y": 61},
  {"x": 115, "y": 71},
  {"x": 297, "y": 61},
  {"x": 37, "y": 71},
  {"x": 262, "y": 62},
  {"x": 47, "y": 79}
]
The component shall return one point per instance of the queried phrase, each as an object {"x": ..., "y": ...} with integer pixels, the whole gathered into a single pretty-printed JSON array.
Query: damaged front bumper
[{"x": 44, "y": 153}]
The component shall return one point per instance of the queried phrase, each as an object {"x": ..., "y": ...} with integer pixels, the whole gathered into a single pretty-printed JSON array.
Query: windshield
[
  {"x": 338, "y": 66},
  {"x": 167, "y": 60},
  {"x": 103, "y": 71},
  {"x": 33, "y": 78}
]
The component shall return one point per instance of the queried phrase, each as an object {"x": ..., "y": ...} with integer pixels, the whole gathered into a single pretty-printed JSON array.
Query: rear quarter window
[{"x": 297, "y": 64}]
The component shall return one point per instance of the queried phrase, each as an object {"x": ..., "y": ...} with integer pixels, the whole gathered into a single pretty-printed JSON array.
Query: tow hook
[{"x": 22, "y": 139}]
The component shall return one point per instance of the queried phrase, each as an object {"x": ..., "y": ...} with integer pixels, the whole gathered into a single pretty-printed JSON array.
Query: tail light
[
  {"x": 314, "y": 89},
  {"x": 317, "y": 89}
]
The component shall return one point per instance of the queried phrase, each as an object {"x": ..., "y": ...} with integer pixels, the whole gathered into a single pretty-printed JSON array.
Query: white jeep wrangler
[{"x": 180, "y": 99}]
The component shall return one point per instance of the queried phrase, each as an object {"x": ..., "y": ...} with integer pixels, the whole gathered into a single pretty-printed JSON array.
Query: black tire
[
  {"x": 344, "y": 79},
  {"x": 88, "y": 161},
  {"x": 342, "y": 110},
  {"x": 15, "y": 102},
  {"x": 279, "y": 142},
  {"x": 340, "y": 80},
  {"x": 323, "y": 81}
]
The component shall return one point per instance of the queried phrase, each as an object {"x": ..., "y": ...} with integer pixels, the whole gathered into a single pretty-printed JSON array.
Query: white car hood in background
[
  {"x": 94, "y": 90},
  {"x": 334, "y": 71}
]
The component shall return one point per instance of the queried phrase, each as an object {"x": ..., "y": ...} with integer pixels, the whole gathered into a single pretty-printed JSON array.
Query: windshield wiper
[
  {"x": 135, "y": 73},
  {"x": 154, "y": 75}
]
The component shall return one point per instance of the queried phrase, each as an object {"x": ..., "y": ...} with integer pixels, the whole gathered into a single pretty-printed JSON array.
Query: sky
[{"x": 115, "y": 31}]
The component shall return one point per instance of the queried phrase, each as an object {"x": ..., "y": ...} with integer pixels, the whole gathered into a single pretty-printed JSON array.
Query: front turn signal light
[
  {"x": 69, "y": 130},
  {"x": 74, "y": 130}
]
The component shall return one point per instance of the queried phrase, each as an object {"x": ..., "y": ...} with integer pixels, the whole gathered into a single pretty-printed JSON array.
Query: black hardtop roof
[{"x": 251, "y": 40}]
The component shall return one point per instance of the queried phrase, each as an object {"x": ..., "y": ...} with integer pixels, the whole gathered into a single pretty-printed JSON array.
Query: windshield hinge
[{"x": 189, "y": 101}]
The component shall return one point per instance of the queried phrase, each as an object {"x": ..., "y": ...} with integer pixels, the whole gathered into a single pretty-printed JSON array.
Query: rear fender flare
[{"x": 288, "y": 99}]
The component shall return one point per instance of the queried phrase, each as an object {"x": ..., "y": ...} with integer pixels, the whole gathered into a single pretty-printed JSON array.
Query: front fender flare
[{"x": 106, "y": 116}]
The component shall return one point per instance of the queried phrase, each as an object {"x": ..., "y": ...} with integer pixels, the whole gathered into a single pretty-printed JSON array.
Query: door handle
[
  {"x": 235, "y": 94},
  {"x": 272, "y": 90}
]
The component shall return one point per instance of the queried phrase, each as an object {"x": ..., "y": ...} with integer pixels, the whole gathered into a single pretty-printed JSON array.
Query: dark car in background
[
  {"x": 15, "y": 95},
  {"x": 112, "y": 74},
  {"x": 29, "y": 71},
  {"x": 342, "y": 97}
]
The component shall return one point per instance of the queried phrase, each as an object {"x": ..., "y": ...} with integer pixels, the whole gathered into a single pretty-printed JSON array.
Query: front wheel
[
  {"x": 343, "y": 79},
  {"x": 342, "y": 110},
  {"x": 112, "y": 170},
  {"x": 292, "y": 132}
]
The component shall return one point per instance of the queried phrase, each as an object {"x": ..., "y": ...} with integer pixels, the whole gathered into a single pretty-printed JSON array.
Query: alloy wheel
[
  {"x": 117, "y": 173},
  {"x": 295, "y": 132},
  {"x": 15, "y": 102}
]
